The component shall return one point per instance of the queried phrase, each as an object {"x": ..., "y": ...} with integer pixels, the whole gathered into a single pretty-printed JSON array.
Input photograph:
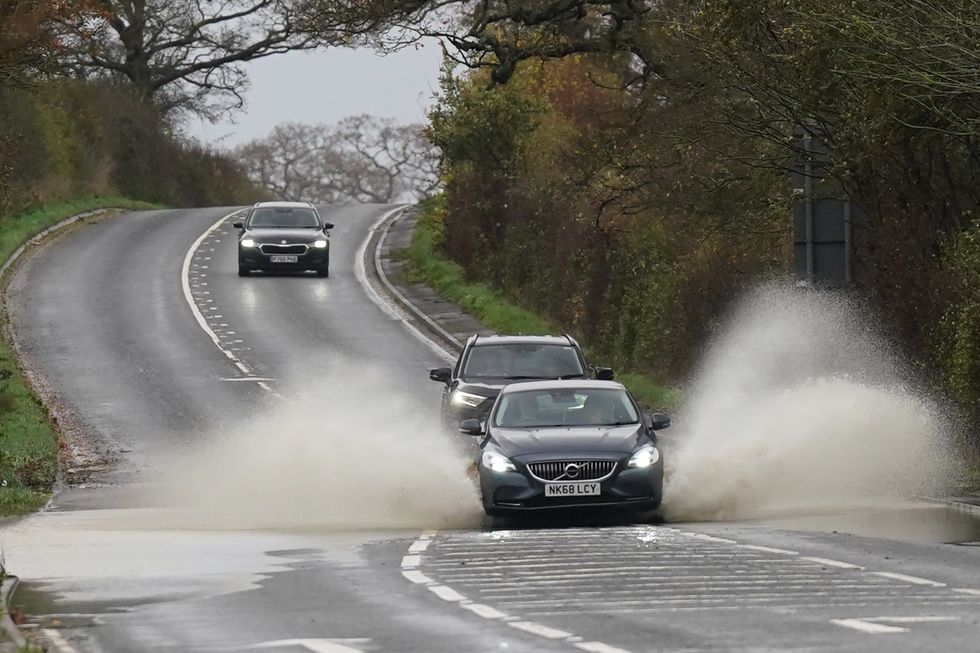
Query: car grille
[
  {"x": 275, "y": 248},
  {"x": 583, "y": 470}
]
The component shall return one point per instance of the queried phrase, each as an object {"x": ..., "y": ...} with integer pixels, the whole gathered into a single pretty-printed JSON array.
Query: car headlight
[
  {"x": 645, "y": 457},
  {"x": 320, "y": 244},
  {"x": 247, "y": 242},
  {"x": 497, "y": 462},
  {"x": 461, "y": 398}
]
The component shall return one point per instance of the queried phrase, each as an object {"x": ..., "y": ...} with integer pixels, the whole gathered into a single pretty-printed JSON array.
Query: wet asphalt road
[{"x": 103, "y": 316}]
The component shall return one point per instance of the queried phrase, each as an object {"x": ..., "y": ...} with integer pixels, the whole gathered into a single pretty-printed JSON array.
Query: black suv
[{"x": 488, "y": 363}]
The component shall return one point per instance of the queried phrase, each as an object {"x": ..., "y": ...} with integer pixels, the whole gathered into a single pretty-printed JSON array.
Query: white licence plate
[
  {"x": 572, "y": 489},
  {"x": 283, "y": 259}
]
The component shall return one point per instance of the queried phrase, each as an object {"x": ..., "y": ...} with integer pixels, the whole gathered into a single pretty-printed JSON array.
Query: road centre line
[{"x": 198, "y": 314}]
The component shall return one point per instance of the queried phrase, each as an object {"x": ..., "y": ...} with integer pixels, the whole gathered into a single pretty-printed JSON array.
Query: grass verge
[
  {"x": 28, "y": 441},
  {"x": 491, "y": 307}
]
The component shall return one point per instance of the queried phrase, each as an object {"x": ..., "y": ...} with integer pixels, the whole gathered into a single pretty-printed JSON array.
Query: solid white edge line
[
  {"x": 60, "y": 642},
  {"x": 915, "y": 580},
  {"x": 360, "y": 273}
]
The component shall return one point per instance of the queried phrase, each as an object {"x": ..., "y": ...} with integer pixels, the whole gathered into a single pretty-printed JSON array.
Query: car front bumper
[
  {"x": 313, "y": 259},
  {"x": 628, "y": 488}
]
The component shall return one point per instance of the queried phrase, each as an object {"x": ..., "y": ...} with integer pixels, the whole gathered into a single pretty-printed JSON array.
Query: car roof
[
  {"x": 563, "y": 384},
  {"x": 525, "y": 340},
  {"x": 283, "y": 205}
]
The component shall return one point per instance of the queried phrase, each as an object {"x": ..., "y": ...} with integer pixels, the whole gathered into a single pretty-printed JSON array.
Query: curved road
[{"x": 102, "y": 315}]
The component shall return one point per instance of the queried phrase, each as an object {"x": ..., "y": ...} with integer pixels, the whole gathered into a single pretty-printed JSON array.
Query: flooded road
[{"x": 324, "y": 514}]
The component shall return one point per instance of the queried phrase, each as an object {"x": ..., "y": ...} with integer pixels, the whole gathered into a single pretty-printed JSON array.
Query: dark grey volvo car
[
  {"x": 283, "y": 236},
  {"x": 568, "y": 444}
]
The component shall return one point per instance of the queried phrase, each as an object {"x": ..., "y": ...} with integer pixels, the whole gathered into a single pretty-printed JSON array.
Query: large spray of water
[
  {"x": 800, "y": 406},
  {"x": 355, "y": 452}
]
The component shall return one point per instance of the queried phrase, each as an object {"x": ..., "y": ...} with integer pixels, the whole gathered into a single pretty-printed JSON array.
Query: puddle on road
[{"x": 912, "y": 522}]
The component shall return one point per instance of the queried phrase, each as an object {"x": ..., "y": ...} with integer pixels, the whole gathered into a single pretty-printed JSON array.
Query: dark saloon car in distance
[
  {"x": 283, "y": 236},
  {"x": 488, "y": 363},
  {"x": 568, "y": 444}
]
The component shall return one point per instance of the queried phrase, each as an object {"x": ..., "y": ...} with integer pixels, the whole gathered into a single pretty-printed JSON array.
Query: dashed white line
[
  {"x": 419, "y": 546},
  {"x": 411, "y": 561},
  {"x": 446, "y": 593},
  {"x": 539, "y": 629},
  {"x": 599, "y": 647},
  {"x": 416, "y": 577},
  {"x": 484, "y": 611}
]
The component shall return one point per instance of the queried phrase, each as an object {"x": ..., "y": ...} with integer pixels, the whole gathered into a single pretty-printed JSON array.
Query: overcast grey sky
[{"x": 327, "y": 86}]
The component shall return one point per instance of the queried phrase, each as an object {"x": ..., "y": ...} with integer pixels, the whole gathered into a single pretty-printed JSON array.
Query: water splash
[{"x": 801, "y": 406}]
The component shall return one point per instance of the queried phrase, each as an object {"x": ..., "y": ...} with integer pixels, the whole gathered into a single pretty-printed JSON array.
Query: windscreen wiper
[{"x": 564, "y": 377}]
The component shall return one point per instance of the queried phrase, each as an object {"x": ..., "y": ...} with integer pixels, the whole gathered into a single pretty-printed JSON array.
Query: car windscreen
[
  {"x": 565, "y": 407},
  {"x": 521, "y": 361},
  {"x": 283, "y": 218}
]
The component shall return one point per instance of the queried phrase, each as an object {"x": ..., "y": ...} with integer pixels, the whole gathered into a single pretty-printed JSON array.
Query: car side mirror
[
  {"x": 604, "y": 374},
  {"x": 327, "y": 226},
  {"x": 238, "y": 225},
  {"x": 658, "y": 421},
  {"x": 441, "y": 374},
  {"x": 471, "y": 427}
]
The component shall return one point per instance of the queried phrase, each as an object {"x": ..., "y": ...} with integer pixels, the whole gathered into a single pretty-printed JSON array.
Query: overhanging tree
[{"x": 186, "y": 56}]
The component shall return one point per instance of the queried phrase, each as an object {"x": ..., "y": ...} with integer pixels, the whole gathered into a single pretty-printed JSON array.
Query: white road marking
[
  {"x": 417, "y": 577},
  {"x": 361, "y": 275},
  {"x": 411, "y": 561},
  {"x": 539, "y": 629},
  {"x": 248, "y": 378},
  {"x": 970, "y": 592},
  {"x": 484, "y": 611},
  {"x": 768, "y": 549},
  {"x": 185, "y": 283},
  {"x": 316, "y": 645},
  {"x": 915, "y": 580},
  {"x": 827, "y": 562},
  {"x": 879, "y": 625},
  {"x": 419, "y": 546},
  {"x": 599, "y": 647},
  {"x": 868, "y": 627},
  {"x": 60, "y": 642},
  {"x": 446, "y": 593}
]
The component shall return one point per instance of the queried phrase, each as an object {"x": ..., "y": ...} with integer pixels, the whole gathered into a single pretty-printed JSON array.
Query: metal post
[
  {"x": 808, "y": 204},
  {"x": 847, "y": 242}
]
